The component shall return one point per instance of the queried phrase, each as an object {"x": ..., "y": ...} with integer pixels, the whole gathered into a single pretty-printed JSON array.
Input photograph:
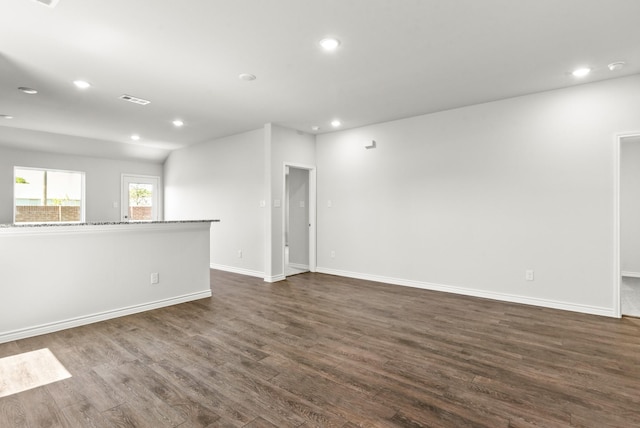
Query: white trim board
[
  {"x": 617, "y": 270},
  {"x": 594, "y": 310},
  {"x": 97, "y": 317},
  {"x": 630, "y": 274},
  {"x": 237, "y": 270},
  {"x": 299, "y": 266},
  {"x": 313, "y": 214},
  {"x": 275, "y": 278}
]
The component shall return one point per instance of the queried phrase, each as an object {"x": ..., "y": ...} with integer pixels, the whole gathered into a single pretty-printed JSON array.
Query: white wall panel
[
  {"x": 471, "y": 198},
  {"x": 222, "y": 179}
]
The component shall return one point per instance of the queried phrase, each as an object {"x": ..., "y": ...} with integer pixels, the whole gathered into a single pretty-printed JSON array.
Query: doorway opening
[
  {"x": 628, "y": 225},
  {"x": 299, "y": 217},
  {"x": 140, "y": 198}
]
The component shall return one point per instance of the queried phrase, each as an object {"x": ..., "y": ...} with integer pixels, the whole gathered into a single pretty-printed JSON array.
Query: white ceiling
[{"x": 398, "y": 58}]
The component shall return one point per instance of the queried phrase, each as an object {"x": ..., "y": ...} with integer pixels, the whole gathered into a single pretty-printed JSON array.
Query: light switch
[
  {"x": 276, "y": 203},
  {"x": 301, "y": 204},
  {"x": 115, "y": 205},
  {"x": 329, "y": 203},
  {"x": 263, "y": 204}
]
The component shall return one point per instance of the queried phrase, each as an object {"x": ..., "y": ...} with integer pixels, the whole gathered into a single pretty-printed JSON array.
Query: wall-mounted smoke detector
[
  {"x": 50, "y": 3},
  {"x": 615, "y": 66},
  {"x": 134, "y": 100},
  {"x": 28, "y": 91}
]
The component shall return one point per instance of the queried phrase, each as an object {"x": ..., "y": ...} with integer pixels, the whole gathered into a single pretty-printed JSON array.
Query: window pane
[{"x": 48, "y": 196}]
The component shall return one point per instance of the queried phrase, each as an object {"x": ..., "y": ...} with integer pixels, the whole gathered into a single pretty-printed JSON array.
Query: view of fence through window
[
  {"x": 48, "y": 196},
  {"x": 140, "y": 201}
]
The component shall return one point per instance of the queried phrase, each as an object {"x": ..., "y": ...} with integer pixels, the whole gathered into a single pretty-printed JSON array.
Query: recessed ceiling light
[
  {"x": 178, "y": 123},
  {"x": 335, "y": 123},
  {"x": 315, "y": 128},
  {"x": 615, "y": 66},
  {"x": 246, "y": 77},
  {"x": 26, "y": 90},
  {"x": 6, "y": 116},
  {"x": 329, "y": 43},
  {"x": 135, "y": 137},
  {"x": 581, "y": 72},
  {"x": 50, "y": 3},
  {"x": 81, "y": 84}
]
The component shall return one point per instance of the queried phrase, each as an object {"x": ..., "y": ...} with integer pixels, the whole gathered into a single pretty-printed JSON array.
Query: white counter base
[{"x": 53, "y": 278}]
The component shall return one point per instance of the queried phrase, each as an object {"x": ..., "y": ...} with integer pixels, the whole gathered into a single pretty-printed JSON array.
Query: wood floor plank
[
  {"x": 9, "y": 348},
  {"x": 142, "y": 403},
  {"x": 85, "y": 388},
  {"x": 41, "y": 410},
  {"x": 85, "y": 415},
  {"x": 12, "y": 412},
  {"x": 260, "y": 423},
  {"x": 276, "y": 404},
  {"x": 320, "y": 350},
  {"x": 231, "y": 412}
]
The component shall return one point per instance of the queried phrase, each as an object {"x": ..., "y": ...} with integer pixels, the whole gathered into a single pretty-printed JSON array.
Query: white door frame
[
  {"x": 124, "y": 197},
  {"x": 312, "y": 212},
  {"x": 617, "y": 239}
]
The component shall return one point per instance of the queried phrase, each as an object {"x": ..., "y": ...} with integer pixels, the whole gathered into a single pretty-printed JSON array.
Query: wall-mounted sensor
[
  {"x": 370, "y": 144},
  {"x": 615, "y": 66}
]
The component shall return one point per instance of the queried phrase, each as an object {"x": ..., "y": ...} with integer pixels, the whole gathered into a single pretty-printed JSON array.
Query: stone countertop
[{"x": 102, "y": 223}]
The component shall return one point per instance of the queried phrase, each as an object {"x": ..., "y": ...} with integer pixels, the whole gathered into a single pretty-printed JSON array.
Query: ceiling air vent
[{"x": 134, "y": 100}]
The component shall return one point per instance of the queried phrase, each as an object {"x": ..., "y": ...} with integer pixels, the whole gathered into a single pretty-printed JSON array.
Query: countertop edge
[{"x": 13, "y": 226}]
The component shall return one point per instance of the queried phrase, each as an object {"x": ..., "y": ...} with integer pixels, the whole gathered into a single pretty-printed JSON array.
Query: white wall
[
  {"x": 630, "y": 206},
  {"x": 222, "y": 179},
  {"x": 466, "y": 200},
  {"x": 59, "y": 277},
  {"x": 283, "y": 145},
  {"x": 102, "y": 179}
]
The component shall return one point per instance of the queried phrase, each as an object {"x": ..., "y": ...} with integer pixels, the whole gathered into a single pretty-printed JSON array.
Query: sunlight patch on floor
[{"x": 29, "y": 370}]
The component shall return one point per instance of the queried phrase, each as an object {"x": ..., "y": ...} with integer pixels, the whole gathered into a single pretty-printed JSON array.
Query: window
[{"x": 48, "y": 196}]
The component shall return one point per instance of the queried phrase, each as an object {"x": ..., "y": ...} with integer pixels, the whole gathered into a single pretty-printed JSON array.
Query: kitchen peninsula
[{"x": 61, "y": 275}]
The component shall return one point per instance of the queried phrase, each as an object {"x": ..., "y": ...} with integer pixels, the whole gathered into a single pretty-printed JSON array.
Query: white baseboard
[
  {"x": 101, "y": 316},
  {"x": 534, "y": 301},
  {"x": 630, "y": 274},
  {"x": 241, "y": 271},
  {"x": 248, "y": 272},
  {"x": 299, "y": 266}
]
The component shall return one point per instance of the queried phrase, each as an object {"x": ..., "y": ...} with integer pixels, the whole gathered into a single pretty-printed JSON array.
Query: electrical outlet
[
  {"x": 155, "y": 278},
  {"x": 333, "y": 254},
  {"x": 528, "y": 275},
  {"x": 239, "y": 254}
]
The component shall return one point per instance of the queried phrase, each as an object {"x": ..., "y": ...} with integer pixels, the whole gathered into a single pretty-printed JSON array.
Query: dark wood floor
[{"x": 320, "y": 350}]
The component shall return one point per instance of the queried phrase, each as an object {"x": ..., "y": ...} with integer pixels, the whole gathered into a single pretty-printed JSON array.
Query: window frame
[{"x": 82, "y": 194}]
